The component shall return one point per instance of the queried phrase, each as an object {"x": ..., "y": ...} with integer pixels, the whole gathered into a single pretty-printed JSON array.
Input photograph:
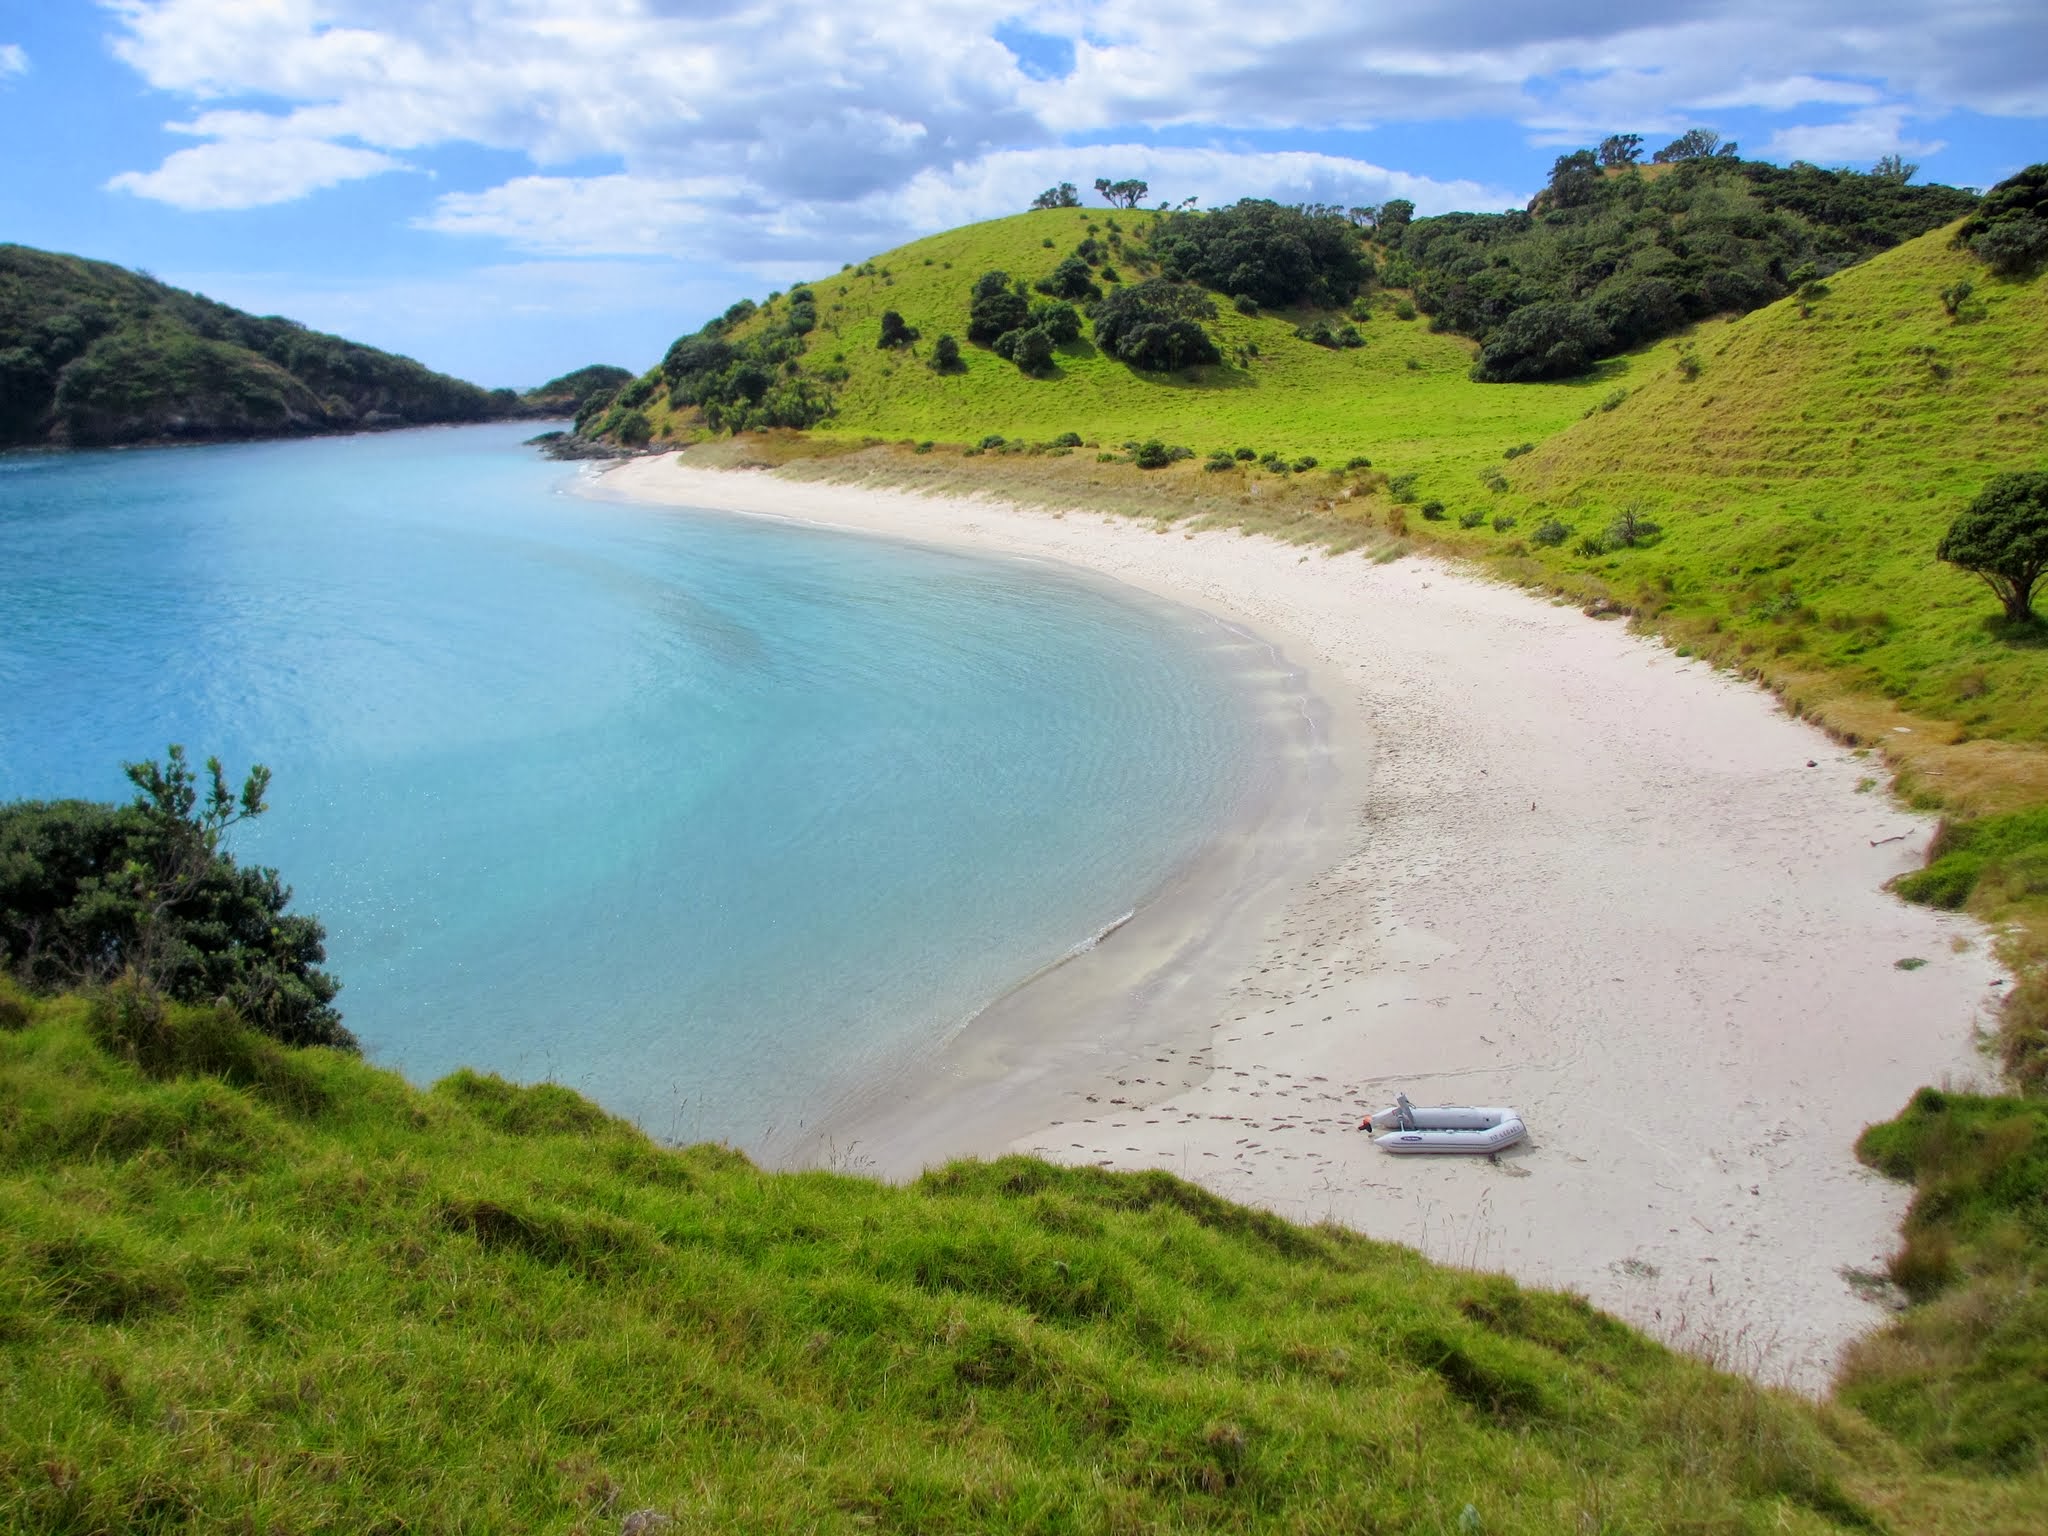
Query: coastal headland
[{"x": 1554, "y": 865}]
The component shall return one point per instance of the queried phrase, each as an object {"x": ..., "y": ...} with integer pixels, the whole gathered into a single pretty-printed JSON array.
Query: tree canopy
[
  {"x": 2002, "y": 537},
  {"x": 90, "y": 891},
  {"x": 1122, "y": 194},
  {"x": 1156, "y": 324},
  {"x": 1276, "y": 254},
  {"x": 1065, "y": 195}
]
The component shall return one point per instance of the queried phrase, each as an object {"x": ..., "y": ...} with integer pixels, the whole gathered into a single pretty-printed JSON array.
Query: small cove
[{"x": 707, "y": 817}]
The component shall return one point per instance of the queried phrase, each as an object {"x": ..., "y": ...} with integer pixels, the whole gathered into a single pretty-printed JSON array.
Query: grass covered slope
[
  {"x": 91, "y": 353},
  {"x": 1802, "y": 463},
  {"x": 284, "y": 1290},
  {"x": 1402, "y": 399}
]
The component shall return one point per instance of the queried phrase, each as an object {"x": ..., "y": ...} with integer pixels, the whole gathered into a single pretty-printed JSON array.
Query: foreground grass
[{"x": 257, "y": 1289}]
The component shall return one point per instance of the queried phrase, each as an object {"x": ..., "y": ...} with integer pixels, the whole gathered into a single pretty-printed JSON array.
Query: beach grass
[{"x": 288, "y": 1292}]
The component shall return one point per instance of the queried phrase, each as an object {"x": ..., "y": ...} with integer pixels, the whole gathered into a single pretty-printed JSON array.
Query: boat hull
[{"x": 1447, "y": 1128}]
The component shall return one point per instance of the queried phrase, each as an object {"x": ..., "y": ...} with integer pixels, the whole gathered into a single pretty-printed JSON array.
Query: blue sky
[{"x": 507, "y": 189}]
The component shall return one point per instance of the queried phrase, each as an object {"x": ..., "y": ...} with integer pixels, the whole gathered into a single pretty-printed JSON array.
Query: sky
[{"x": 508, "y": 189}]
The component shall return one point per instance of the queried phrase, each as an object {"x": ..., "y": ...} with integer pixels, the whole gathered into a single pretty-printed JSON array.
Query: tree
[
  {"x": 1574, "y": 179},
  {"x": 1071, "y": 279},
  {"x": 1029, "y": 347},
  {"x": 1365, "y": 216},
  {"x": 1157, "y": 325},
  {"x": 1895, "y": 168},
  {"x": 1541, "y": 341},
  {"x": 1619, "y": 149},
  {"x": 1064, "y": 195},
  {"x": 1396, "y": 213},
  {"x": 1695, "y": 144},
  {"x": 1122, "y": 194},
  {"x": 2002, "y": 537},
  {"x": 946, "y": 355},
  {"x": 894, "y": 332},
  {"x": 91, "y": 891},
  {"x": 1058, "y": 319},
  {"x": 996, "y": 307}
]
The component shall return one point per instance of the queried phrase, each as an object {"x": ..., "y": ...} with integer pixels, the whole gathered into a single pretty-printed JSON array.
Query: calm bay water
[{"x": 706, "y": 817}]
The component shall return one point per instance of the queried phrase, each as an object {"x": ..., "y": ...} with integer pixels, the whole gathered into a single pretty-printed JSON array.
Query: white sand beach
[{"x": 1560, "y": 868}]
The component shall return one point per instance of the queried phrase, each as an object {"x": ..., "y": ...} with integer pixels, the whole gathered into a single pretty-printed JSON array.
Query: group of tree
[
  {"x": 1605, "y": 260},
  {"x": 1002, "y": 316},
  {"x": 148, "y": 891},
  {"x": 91, "y": 353},
  {"x": 2008, "y": 232},
  {"x": 750, "y": 382},
  {"x": 1276, "y": 255}
]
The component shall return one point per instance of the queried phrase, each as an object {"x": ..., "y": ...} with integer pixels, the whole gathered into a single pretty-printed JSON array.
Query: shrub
[
  {"x": 1402, "y": 487},
  {"x": 993, "y": 440},
  {"x": 1689, "y": 366},
  {"x": 1955, "y": 295},
  {"x": 894, "y": 332},
  {"x": 1067, "y": 440},
  {"x": 1358, "y": 461},
  {"x": 1156, "y": 325},
  {"x": 2014, "y": 247},
  {"x": 633, "y": 428},
  {"x": 1404, "y": 309},
  {"x": 1550, "y": 533},
  {"x": 1152, "y": 454},
  {"x": 1591, "y": 545},
  {"x": 1220, "y": 460},
  {"x": 946, "y": 355},
  {"x": 1432, "y": 511},
  {"x": 924, "y": 447},
  {"x": 1305, "y": 463},
  {"x": 1494, "y": 481},
  {"x": 1503, "y": 521},
  {"x": 1244, "y": 455},
  {"x": 995, "y": 308},
  {"x": 1541, "y": 341},
  {"x": 1471, "y": 519},
  {"x": 1613, "y": 398},
  {"x": 1030, "y": 348},
  {"x": 1071, "y": 280},
  {"x": 1059, "y": 320},
  {"x": 1109, "y": 274},
  {"x": 1245, "y": 304},
  {"x": 1518, "y": 450},
  {"x": 1631, "y": 528},
  {"x": 1414, "y": 366}
]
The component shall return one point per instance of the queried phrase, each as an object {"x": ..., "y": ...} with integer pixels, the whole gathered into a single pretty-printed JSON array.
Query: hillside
[
  {"x": 252, "y": 1285},
  {"x": 93, "y": 354}
]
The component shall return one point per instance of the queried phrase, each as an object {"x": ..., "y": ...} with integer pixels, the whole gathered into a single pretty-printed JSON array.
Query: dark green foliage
[
  {"x": 1694, "y": 144},
  {"x": 1059, "y": 320},
  {"x": 570, "y": 393},
  {"x": 1634, "y": 258},
  {"x": 1065, "y": 195},
  {"x": 1029, "y": 347},
  {"x": 2002, "y": 537},
  {"x": 1244, "y": 455},
  {"x": 91, "y": 891},
  {"x": 2013, "y": 247},
  {"x": 93, "y": 354},
  {"x": 1395, "y": 215},
  {"x": 1219, "y": 461},
  {"x": 1619, "y": 149},
  {"x": 1157, "y": 325},
  {"x": 1067, "y": 440},
  {"x": 1550, "y": 533},
  {"x": 1324, "y": 334},
  {"x": 1071, "y": 279},
  {"x": 1471, "y": 519},
  {"x": 740, "y": 385},
  {"x": 946, "y": 355},
  {"x": 632, "y": 428},
  {"x": 803, "y": 312},
  {"x": 1542, "y": 341},
  {"x": 1121, "y": 194},
  {"x": 996, "y": 308},
  {"x": 1574, "y": 180},
  {"x": 1153, "y": 454},
  {"x": 1244, "y": 304},
  {"x": 1433, "y": 511},
  {"x": 895, "y": 332},
  {"x": 2020, "y": 199},
  {"x": 1632, "y": 529},
  {"x": 1273, "y": 254}
]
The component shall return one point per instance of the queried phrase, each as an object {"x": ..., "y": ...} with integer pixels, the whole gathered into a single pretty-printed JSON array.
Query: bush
[
  {"x": 1152, "y": 454},
  {"x": 1402, "y": 487},
  {"x": 1156, "y": 325},
  {"x": 993, "y": 440},
  {"x": 946, "y": 355},
  {"x": 1432, "y": 511},
  {"x": 1518, "y": 450},
  {"x": 1244, "y": 455},
  {"x": 1030, "y": 348},
  {"x": 924, "y": 447},
  {"x": 1404, "y": 309},
  {"x": 1631, "y": 529},
  {"x": 1067, "y": 440},
  {"x": 894, "y": 332},
  {"x": 1956, "y": 295},
  {"x": 1219, "y": 461},
  {"x": 1471, "y": 519},
  {"x": 1550, "y": 533},
  {"x": 1358, "y": 461},
  {"x": 1059, "y": 320},
  {"x": 2013, "y": 248},
  {"x": 633, "y": 429},
  {"x": 1072, "y": 280},
  {"x": 996, "y": 308},
  {"x": 1305, "y": 463},
  {"x": 1541, "y": 341},
  {"x": 1503, "y": 521},
  {"x": 1244, "y": 304}
]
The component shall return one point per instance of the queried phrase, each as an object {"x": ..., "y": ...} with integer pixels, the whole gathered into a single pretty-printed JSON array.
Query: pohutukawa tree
[{"x": 2002, "y": 537}]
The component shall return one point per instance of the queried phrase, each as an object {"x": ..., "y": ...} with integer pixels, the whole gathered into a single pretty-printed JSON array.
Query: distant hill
[
  {"x": 93, "y": 354},
  {"x": 568, "y": 395}
]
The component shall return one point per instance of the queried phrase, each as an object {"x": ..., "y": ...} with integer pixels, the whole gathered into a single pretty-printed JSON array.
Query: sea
[{"x": 717, "y": 820}]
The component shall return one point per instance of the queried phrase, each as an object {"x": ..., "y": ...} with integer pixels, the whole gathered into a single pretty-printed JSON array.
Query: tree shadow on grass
[{"x": 2017, "y": 634}]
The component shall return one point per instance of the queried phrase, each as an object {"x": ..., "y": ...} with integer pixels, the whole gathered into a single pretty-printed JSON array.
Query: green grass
[
  {"x": 1293, "y": 398},
  {"x": 251, "y": 1288},
  {"x": 1963, "y": 1378}
]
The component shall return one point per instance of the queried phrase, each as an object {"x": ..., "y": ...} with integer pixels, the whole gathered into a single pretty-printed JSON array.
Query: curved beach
[{"x": 1548, "y": 864}]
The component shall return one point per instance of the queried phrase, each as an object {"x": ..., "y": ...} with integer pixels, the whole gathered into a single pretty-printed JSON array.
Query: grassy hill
[
  {"x": 93, "y": 354},
  {"x": 280, "y": 1290}
]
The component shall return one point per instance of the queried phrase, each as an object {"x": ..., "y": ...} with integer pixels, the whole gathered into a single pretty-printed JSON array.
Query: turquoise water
[{"x": 707, "y": 817}]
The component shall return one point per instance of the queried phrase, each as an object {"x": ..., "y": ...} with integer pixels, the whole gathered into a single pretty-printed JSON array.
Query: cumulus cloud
[
  {"x": 13, "y": 60},
  {"x": 1858, "y": 137},
  {"x": 781, "y": 117}
]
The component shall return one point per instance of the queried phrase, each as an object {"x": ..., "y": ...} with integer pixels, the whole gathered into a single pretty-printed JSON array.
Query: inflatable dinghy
[{"x": 1444, "y": 1128}]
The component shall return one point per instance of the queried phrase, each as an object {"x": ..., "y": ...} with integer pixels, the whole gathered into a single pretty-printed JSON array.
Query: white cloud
[
  {"x": 1860, "y": 137},
  {"x": 784, "y": 119},
  {"x": 251, "y": 171},
  {"x": 13, "y": 60}
]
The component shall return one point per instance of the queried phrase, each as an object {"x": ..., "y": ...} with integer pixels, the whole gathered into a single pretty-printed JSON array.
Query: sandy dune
[{"x": 1576, "y": 874}]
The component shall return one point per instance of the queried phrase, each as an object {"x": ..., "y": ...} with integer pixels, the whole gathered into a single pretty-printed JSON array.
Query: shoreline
[{"x": 1568, "y": 870}]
